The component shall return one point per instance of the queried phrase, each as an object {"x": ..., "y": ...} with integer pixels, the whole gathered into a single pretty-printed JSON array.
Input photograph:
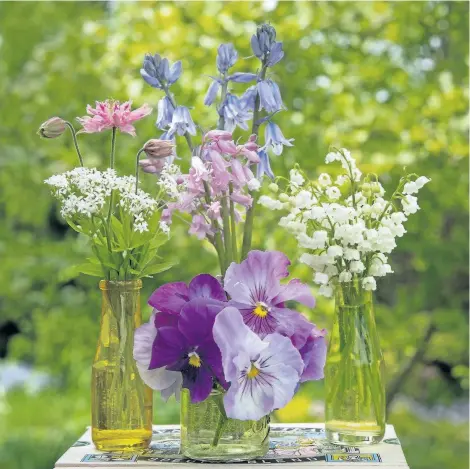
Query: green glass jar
[
  {"x": 121, "y": 408},
  {"x": 354, "y": 371},
  {"x": 208, "y": 435}
]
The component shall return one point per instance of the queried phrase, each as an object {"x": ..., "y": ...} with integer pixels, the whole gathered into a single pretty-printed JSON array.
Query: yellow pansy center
[
  {"x": 261, "y": 310},
  {"x": 253, "y": 372},
  {"x": 194, "y": 359}
]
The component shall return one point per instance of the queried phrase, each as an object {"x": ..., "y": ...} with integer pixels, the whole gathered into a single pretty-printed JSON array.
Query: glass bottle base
[
  {"x": 223, "y": 452},
  {"x": 354, "y": 434},
  {"x": 121, "y": 440}
]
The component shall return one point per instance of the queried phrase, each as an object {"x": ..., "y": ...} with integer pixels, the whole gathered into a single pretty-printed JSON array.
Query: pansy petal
[
  {"x": 170, "y": 298},
  {"x": 168, "y": 347},
  {"x": 295, "y": 290},
  {"x": 197, "y": 319},
  {"x": 206, "y": 286},
  {"x": 199, "y": 385},
  {"x": 314, "y": 356},
  {"x": 232, "y": 337},
  {"x": 161, "y": 379},
  {"x": 257, "y": 278},
  {"x": 212, "y": 358},
  {"x": 162, "y": 319}
]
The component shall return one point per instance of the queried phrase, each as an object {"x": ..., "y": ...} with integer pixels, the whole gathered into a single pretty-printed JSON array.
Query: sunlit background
[{"x": 388, "y": 80}]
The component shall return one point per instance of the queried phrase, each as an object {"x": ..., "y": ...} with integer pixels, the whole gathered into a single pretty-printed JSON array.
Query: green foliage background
[{"x": 388, "y": 80}]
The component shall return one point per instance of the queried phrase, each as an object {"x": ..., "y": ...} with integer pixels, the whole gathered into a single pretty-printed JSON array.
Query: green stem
[
  {"x": 111, "y": 198},
  {"x": 250, "y": 213},
  {"x": 137, "y": 169},
  {"x": 219, "y": 429},
  {"x": 221, "y": 123},
  {"x": 227, "y": 234},
  {"x": 75, "y": 142},
  {"x": 233, "y": 226}
]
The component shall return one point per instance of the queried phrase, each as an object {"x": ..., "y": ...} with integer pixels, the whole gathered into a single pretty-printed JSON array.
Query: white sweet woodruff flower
[
  {"x": 347, "y": 237},
  {"x": 86, "y": 192}
]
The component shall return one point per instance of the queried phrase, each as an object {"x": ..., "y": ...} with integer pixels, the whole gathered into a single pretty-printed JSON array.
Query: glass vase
[
  {"x": 208, "y": 435},
  {"x": 354, "y": 372},
  {"x": 121, "y": 406}
]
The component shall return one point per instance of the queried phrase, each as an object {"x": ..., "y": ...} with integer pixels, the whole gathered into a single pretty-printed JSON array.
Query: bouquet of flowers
[
  {"x": 220, "y": 189},
  {"x": 346, "y": 226},
  {"x": 121, "y": 220},
  {"x": 240, "y": 337}
]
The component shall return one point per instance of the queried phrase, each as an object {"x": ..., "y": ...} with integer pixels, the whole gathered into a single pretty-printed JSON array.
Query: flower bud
[
  {"x": 52, "y": 128},
  {"x": 155, "y": 148},
  {"x": 375, "y": 188},
  {"x": 273, "y": 187},
  {"x": 284, "y": 197}
]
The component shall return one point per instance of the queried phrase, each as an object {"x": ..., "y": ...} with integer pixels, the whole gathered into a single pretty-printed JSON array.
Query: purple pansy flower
[
  {"x": 160, "y": 379},
  {"x": 263, "y": 374},
  {"x": 190, "y": 349},
  {"x": 313, "y": 354},
  {"x": 256, "y": 291},
  {"x": 171, "y": 297}
]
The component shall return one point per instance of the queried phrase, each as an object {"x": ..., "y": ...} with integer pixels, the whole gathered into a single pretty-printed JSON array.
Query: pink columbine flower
[{"x": 108, "y": 114}]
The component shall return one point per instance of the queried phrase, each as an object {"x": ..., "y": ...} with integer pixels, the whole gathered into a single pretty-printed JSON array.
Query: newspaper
[{"x": 290, "y": 445}]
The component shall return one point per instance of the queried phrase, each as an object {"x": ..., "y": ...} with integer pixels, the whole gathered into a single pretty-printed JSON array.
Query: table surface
[{"x": 290, "y": 445}]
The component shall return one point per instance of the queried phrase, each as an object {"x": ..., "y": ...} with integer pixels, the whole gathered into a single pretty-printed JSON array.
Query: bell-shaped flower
[
  {"x": 242, "y": 199},
  {"x": 220, "y": 141},
  {"x": 275, "y": 139},
  {"x": 242, "y": 77},
  {"x": 212, "y": 92},
  {"x": 256, "y": 291},
  {"x": 269, "y": 96},
  {"x": 263, "y": 40},
  {"x": 263, "y": 373},
  {"x": 160, "y": 379},
  {"x": 226, "y": 57},
  {"x": 275, "y": 54},
  {"x": 182, "y": 122},
  {"x": 152, "y": 165},
  {"x": 235, "y": 114},
  {"x": 189, "y": 348},
  {"x": 264, "y": 166},
  {"x": 165, "y": 113},
  {"x": 248, "y": 98},
  {"x": 199, "y": 227},
  {"x": 156, "y": 71}
]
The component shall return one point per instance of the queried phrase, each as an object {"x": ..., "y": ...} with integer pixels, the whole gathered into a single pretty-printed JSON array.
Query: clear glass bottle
[
  {"x": 354, "y": 371},
  {"x": 121, "y": 403},
  {"x": 207, "y": 434}
]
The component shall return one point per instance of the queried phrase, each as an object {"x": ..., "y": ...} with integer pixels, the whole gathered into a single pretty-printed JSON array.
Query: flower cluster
[
  {"x": 241, "y": 337},
  {"x": 346, "y": 226},
  {"x": 218, "y": 181},
  {"x": 86, "y": 192}
]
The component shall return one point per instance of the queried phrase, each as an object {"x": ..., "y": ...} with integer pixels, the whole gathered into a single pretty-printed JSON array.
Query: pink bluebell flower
[
  {"x": 256, "y": 291},
  {"x": 263, "y": 373},
  {"x": 108, "y": 114},
  {"x": 200, "y": 227}
]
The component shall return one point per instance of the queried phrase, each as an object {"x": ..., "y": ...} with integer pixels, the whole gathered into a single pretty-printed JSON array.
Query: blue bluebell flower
[
  {"x": 270, "y": 96},
  {"x": 265, "y": 47},
  {"x": 182, "y": 122},
  {"x": 165, "y": 113},
  {"x": 241, "y": 77},
  {"x": 274, "y": 138},
  {"x": 234, "y": 113},
  {"x": 156, "y": 71},
  {"x": 212, "y": 92},
  {"x": 264, "y": 166},
  {"x": 226, "y": 57},
  {"x": 248, "y": 98}
]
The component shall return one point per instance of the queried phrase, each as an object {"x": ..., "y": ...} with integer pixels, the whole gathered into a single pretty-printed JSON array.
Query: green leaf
[{"x": 155, "y": 268}]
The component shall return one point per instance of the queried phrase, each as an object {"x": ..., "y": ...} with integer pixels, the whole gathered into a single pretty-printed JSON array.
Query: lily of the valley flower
[{"x": 263, "y": 374}]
